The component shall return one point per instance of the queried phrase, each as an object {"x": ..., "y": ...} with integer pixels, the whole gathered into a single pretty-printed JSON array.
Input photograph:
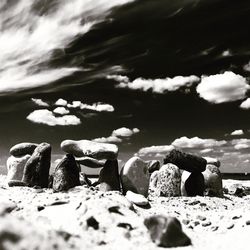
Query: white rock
[{"x": 137, "y": 199}]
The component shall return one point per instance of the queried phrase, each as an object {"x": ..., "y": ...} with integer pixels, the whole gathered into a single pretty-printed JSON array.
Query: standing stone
[
  {"x": 166, "y": 231},
  {"x": 109, "y": 177},
  {"x": 166, "y": 182},
  {"x": 91, "y": 149},
  {"x": 153, "y": 165},
  {"x": 188, "y": 162},
  {"x": 213, "y": 181},
  {"x": 135, "y": 176},
  {"x": 24, "y": 148},
  {"x": 192, "y": 184},
  {"x": 36, "y": 170},
  {"x": 15, "y": 167},
  {"x": 66, "y": 174}
]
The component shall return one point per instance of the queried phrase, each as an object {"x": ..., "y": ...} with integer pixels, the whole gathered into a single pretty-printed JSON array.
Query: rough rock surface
[
  {"x": 188, "y": 162},
  {"x": 24, "y": 148},
  {"x": 15, "y": 167},
  {"x": 166, "y": 231},
  {"x": 66, "y": 174},
  {"x": 91, "y": 149},
  {"x": 192, "y": 184},
  {"x": 166, "y": 182},
  {"x": 135, "y": 176},
  {"x": 109, "y": 178},
  {"x": 36, "y": 170},
  {"x": 213, "y": 181}
]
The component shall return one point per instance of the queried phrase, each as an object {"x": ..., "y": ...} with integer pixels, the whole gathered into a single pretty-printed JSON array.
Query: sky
[{"x": 147, "y": 75}]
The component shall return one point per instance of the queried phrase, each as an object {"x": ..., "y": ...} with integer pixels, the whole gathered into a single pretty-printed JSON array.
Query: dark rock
[
  {"x": 188, "y": 162},
  {"x": 125, "y": 225},
  {"x": 166, "y": 231},
  {"x": 206, "y": 224},
  {"x": 92, "y": 222},
  {"x": 153, "y": 165},
  {"x": 84, "y": 180},
  {"x": 66, "y": 174},
  {"x": 50, "y": 184},
  {"x": 135, "y": 176},
  {"x": 36, "y": 170},
  {"x": 115, "y": 209},
  {"x": 192, "y": 184},
  {"x": 109, "y": 177},
  {"x": 16, "y": 183},
  {"x": 24, "y": 148}
]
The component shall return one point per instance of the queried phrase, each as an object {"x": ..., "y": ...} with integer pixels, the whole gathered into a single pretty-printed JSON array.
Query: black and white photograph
[{"x": 124, "y": 124}]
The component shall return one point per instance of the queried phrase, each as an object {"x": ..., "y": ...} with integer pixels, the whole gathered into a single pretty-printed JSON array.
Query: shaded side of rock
[
  {"x": 66, "y": 174},
  {"x": 90, "y": 162},
  {"x": 213, "y": 181},
  {"x": 36, "y": 170},
  {"x": 109, "y": 178},
  {"x": 153, "y": 165},
  {"x": 166, "y": 182},
  {"x": 15, "y": 167},
  {"x": 23, "y": 148},
  {"x": 192, "y": 184},
  {"x": 135, "y": 176},
  {"x": 188, "y": 162},
  {"x": 90, "y": 149},
  {"x": 166, "y": 231}
]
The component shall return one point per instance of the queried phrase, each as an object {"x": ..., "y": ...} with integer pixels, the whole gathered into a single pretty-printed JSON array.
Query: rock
[
  {"x": 236, "y": 189},
  {"x": 213, "y": 161},
  {"x": 153, "y": 165},
  {"x": 36, "y": 170},
  {"x": 109, "y": 177},
  {"x": 90, "y": 162},
  {"x": 188, "y": 162},
  {"x": 192, "y": 184},
  {"x": 6, "y": 207},
  {"x": 166, "y": 182},
  {"x": 213, "y": 181},
  {"x": 15, "y": 167},
  {"x": 24, "y": 148},
  {"x": 84, "y": 179},
  {"x": 135, "y": 176},
  {"x": 136, "y": 199},
  {"x": 166, "y": 231},
  {"x": 15, "y": 183},
  {"x": 66, "y": 174},
  {"x": 91, "y": 149}
]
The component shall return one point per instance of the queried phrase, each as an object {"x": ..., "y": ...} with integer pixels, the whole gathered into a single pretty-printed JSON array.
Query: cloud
[
  {"x": 162, "y": 149},
  {"x": 156, "y": 85},
  {"x": 61, "y": 111},
  {"x": 40, "y": 102},
  {"x": 242, "y": 143},
  {"x": 245, "y": 104},
  {"x": 237, "y": 132},
  {"x": 61, "y": 102},
  {"x": 44, "y": 116},
  {"x": 118, "y": 135},
  {"x": 226, "y": 87},
  {"x": 196, "y": 142},
  {"x": 99, "y": 107}
]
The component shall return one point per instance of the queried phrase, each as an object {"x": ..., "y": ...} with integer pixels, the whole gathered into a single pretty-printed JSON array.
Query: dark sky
[{"x": 149, "y": 39}]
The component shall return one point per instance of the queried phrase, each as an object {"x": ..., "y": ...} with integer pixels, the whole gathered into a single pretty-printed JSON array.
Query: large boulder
[
  {"x": 166, "y": 182},
  {"x": 166, "y": 231},
  {"x": 213, "y": 161},
  {"x": 188, "y": 162},
  {"x": 91, "y": 149},
  {"x": 23, "y": 148},
  {"x": 192, "y": 184},
  {"x": 109, "y": 177},
  {"x": 15, "y": 167},
  {"x": 90, "y": 162},
  {"x": 66, "y": 174},
  {"x": 213, "y": 181},
  {"x": 135, "y": 176},
  {"x": 36, "y": 170}
]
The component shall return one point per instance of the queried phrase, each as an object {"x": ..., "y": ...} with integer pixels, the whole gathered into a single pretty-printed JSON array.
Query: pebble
[
  {"x": 206, "y": 224},
  {"x": 136, "y": 199}
]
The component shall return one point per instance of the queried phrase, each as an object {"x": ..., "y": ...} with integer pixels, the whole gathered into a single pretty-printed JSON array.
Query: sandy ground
[{"x": 85, "y": 218}]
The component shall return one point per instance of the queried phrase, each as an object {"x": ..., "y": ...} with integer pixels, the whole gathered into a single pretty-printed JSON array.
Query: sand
[{"x": 85, "y": 218}]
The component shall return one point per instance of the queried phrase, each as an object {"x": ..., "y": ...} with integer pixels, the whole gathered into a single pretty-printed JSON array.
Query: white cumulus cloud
[
  {"x": 162, "y": 149},
  {"x": 44, "y": 116},
  {"x": 61, "y": 102},
  {"x": 237, "y": 132},
  {"x": 156, "y": 85},
  {"x": 245, "y": 104},
  {"x": 40, "y": 102},
  {"x": 196, "y": 142},
  {"x": 226, "y": 87},
  {"x": 61, "y": 111}
]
